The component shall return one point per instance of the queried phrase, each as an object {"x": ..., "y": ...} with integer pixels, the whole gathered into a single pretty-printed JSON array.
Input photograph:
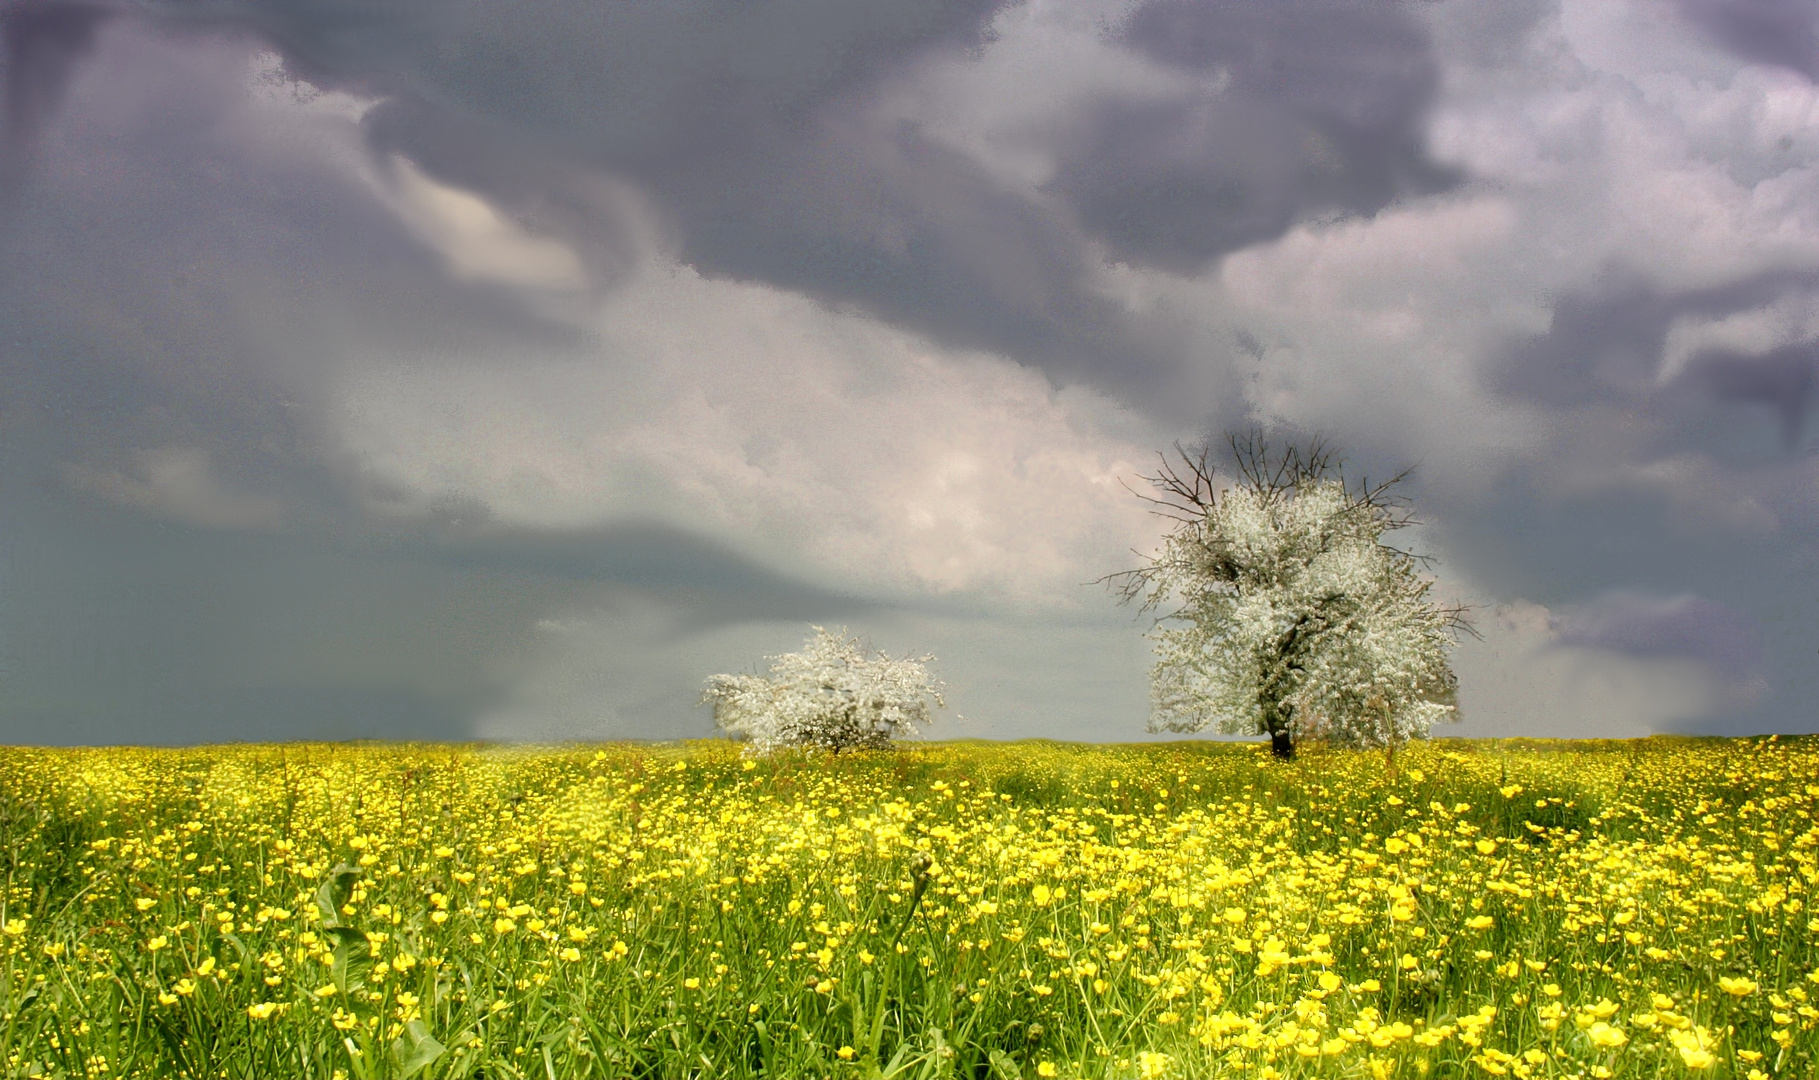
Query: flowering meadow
[{"x": 1529, "y": 909}]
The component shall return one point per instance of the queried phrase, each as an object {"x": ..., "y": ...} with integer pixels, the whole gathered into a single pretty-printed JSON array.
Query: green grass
[{"x": 1523, "y": 908}]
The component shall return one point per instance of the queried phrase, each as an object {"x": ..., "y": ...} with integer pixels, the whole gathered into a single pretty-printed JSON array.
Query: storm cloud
[
  {"x": 452, "y": 370},
  {"x": 1781, "y": 32},
  {"x": 1300, "y": 109}
]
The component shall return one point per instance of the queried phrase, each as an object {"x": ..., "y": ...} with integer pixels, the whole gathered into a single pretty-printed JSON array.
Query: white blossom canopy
[
  {"x": 833, "y": 695},
  {"x": 1294, "y": 618}
]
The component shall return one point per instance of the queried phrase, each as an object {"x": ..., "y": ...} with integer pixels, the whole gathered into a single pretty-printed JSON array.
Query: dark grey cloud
[
  {"x": 1784, "y": 33},
  {"x": 706, "y": 581},
  {"x": 121, "y": 627},
  {"x": 1781, "y": 379},
  {"x": 181, "y": 286},
  {"x": 1632, "y": 571},
  {"x": 1678, "y": 626},
  {"x": 746, "y": 126},
  {"x": 177, "y": 283},
  {"x": 1673, "y": 524},
  {"x": 1605, "y": 347},
  {"x": 187, "y": 290},
  {"x": 1725, "y": 642},
  {"x": 1308, "y": 107},
  {"x": 41, "y": 42},
  {"x": 749, "y": 126}
]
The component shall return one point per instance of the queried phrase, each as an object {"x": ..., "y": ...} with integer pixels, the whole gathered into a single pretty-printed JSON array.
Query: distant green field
[{"x": 1532, "y": 909}]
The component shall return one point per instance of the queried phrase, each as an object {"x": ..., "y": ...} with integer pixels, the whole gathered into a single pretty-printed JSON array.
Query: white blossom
[
  {"x": 830, "y": 696},
  {"x": 1294, "y": 618}
]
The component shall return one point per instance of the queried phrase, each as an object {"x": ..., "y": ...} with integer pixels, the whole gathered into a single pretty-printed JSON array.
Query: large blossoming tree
[
  {"x": 833, "y": 695},
  {"x": 1284, "y": 612}
]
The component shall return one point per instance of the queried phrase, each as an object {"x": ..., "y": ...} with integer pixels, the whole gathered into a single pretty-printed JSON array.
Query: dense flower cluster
[
  {"x": 1290, "y": 601},
  {"x": 1176, "y": 910},
  {"x": 833, "y": 695}
]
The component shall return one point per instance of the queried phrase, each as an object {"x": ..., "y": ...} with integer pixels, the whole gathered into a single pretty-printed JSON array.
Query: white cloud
[
  {"x": 1520, "y": 681},
  {"x": 1791, "y": 319},
  {"x": 272, "y": 87},
  {"x": 820, "y": 442},
  {"x": 478, "y": 243},
  {"x": 178, "y": 483}
]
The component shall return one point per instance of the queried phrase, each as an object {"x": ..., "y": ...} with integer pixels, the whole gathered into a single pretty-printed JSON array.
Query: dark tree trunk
[{"x": 1282, "y": 745}]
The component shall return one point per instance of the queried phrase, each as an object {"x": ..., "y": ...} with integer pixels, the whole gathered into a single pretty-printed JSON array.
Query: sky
[{"x": 461, "y": 370}]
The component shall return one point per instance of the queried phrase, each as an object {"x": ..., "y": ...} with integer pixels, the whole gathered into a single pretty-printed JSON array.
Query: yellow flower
[
  {"x": 691, "y": 983},
  {"x": 571, "y": 954},
  {"x": 1330, "y": 982},
  {"x": 153, "y": 945},
  {"x": 1694, "y": 1046},
  {"x": 845, "y": 1053},
  {"x": 503, "y": 925},
  {"x": 145, "y": 903},
  {"x": 1480, "y": 922},
  {"x": 262, "y": 1011},
  {"x": 1603, "y": 1034},
  {"x": 1045, "y": 1068},
  {"x": 1736, "y": 987},
  {"x": 1603, "y": 1009},
  {"x": 1041, "y": 895},
  {"x": 1486, "y": 846}
]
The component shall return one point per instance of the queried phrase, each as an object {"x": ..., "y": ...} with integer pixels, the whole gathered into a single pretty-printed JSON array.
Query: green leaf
[
  {"x": 334, "y": 893},
  {"x": 416, "y": 1049},
  {"x": 356, "y": 1060},
  {"x": 1003, "y": 1068},
  {"x": 353, "y": 957}
]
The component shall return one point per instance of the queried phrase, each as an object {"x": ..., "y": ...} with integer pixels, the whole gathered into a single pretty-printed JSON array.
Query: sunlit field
[{"x": 1186, "y": 910}]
